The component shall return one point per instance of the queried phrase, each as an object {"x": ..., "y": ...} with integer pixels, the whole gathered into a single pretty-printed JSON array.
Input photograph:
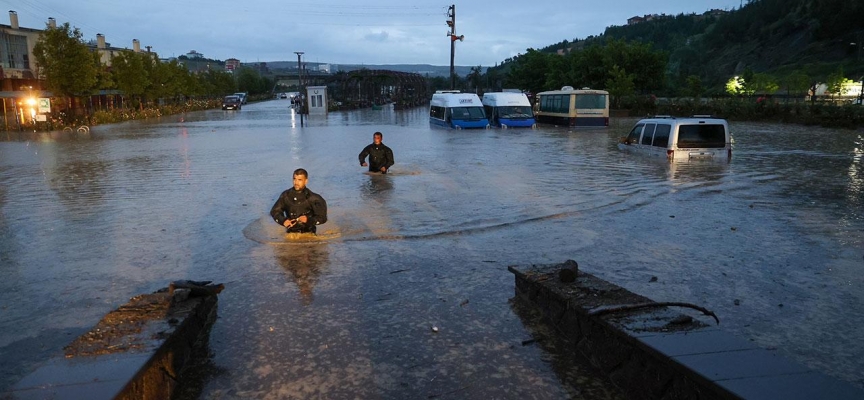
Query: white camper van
[
  {"x": 457, "y": 110},
  {"x": 509, "y": 109}
]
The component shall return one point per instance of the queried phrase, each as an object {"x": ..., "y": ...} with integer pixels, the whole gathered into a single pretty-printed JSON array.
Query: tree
[
  {"x": 735, "y": 86},
  {"x": 249, "y": 80},
  {"x": 761, "y": 83},
  {"x": 837, "y": 83},
  {"x": 65, "y": 62},
  {"x": 694, "y": 87},
  {"x": 529, "y": 71},
  {"x": 619, "y": 84},
  {"x": 129, "y": 74},
  {"x": 797, "y": 83},
  {"x": 475, "y": 77}
]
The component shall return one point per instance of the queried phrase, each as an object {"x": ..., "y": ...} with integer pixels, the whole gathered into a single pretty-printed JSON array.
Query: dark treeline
[{"x": 781, "y": 40}]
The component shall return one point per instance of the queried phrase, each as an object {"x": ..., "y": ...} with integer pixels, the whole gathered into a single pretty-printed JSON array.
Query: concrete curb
[
  {"x": 137, "y": 351},
  {"x": 658, "y": 353}
]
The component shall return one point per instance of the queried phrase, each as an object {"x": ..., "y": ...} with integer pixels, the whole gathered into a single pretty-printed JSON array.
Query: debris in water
[
  {"x": 529, "y": 341},
  {"x": 681, "y": 320},
  {"x": 399, "y": 270},
  {"x": 435, "y": 329},
  {"x": 734, "y": 229},
  {"x": 737, "y": 302},
  {"x": 464, "y": 303},
  {"x": 568, "y": 272},
  {"x": 653, "y": 279},
  {"x": 271, "y": 329}
]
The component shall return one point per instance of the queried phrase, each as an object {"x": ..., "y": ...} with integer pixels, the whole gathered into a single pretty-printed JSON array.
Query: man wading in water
[
  {"x": 380, "y": 156},
  {"x": 299, "y": 209}
]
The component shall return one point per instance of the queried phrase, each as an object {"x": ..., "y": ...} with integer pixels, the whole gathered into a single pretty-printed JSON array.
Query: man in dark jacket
[
  {"x": 380, "y": 156},
  {"x": 299, "y": 209}
]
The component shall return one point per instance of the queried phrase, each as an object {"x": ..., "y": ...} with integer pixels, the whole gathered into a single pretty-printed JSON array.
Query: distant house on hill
[
  {"x": 232, "y": 64},
  {"x": 194, "y": 55},
  {"x": 635, "y": 20}
]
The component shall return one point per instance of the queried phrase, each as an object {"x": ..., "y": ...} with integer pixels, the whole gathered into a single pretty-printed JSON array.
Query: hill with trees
[{"x": 784, "y": 41}]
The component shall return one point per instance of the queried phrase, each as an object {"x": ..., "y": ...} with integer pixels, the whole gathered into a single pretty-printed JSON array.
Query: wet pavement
[{"x": 89, "y": 220}]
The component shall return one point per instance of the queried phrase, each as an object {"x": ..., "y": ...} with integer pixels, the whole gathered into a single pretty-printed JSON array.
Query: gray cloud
[{"x": 379, "y": 32}]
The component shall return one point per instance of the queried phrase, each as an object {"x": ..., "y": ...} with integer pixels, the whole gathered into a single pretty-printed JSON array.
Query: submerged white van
[
  {"x": 453, "y": 109},
  {"x": 509, "y": 109},
  {"x": 696, "y": 137}
]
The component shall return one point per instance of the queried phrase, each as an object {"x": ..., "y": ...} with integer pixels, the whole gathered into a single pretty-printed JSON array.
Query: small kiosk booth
[{"x": 316, "y": 98}]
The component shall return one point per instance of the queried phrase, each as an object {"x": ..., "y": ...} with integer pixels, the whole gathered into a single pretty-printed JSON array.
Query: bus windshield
[
  {"x": 515, "y": 112},
  {"x": 467, "y": 113},
  {"x": 591, "y": 101}
]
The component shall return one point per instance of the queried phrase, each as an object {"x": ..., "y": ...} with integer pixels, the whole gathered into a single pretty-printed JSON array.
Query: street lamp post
[{"x": 300, "y": 84}]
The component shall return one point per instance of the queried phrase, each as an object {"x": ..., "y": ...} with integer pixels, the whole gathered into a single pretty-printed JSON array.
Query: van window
[
  {"x": 648, "y": 135},
  {"x": 633, "y": 137},
  {"x": 514, "y": 112},
  {"x": 467, "y": 113},
  {"x": 701, "y": 136},
  {"x": 661, "y": 135},
  {"x": 436, "y": 112}
]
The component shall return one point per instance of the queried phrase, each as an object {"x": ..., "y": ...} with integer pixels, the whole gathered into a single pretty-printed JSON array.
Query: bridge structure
[
  {"x": 362, "y": 88},
  {"x": 371, "y": 87}
]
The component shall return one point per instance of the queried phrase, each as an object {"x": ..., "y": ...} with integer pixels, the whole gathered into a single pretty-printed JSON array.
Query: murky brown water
[{"x": 87, "y": 221}]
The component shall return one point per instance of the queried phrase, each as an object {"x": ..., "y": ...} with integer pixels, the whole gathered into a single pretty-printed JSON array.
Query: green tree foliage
[
  {"x": 250, "y": 81},
  {"x": 217, "y": 83},
  {"x": 65, "y": 61},
  {"x": 529, "y": 71},
  {"x": 619, "y": 84},
  {"x": 762, "y": 83},
  {"x": 735, "y": 86},
  {"x": 593, "y": 66},
  {"x": 129, "y": 72},
  {"x": 475, "y": 78},
  {"x": 796, "y": 83},
  {"x": 838, "y": 83},
  {"x": 694, "y": 87}
]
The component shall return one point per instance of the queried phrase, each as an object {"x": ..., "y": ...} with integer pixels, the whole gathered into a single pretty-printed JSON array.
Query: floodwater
[{"x": 89, "y": 220}]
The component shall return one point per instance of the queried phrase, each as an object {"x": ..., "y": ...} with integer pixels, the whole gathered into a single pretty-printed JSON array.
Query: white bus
[
  {"x": 457, "y": 110},
  {"x": 508, "y": 109},
  {"x": 572, "y": 107}
]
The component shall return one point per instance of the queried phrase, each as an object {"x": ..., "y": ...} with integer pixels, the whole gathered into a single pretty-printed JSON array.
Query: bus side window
[
  {"x": 633, "y": 137},
  {"x": 661, "y": 135},
  {"x": 648, "y": 135}
]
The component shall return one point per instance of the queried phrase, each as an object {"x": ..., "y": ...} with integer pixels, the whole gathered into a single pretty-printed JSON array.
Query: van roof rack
[
  {"x": 702, "y": 116},
  {"x": 663, "y": 116}
]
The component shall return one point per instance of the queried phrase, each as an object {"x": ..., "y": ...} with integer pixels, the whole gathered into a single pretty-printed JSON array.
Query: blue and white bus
[
  {"x": 457, "y": 110},
  {"x": 571, "y": 107},
  {"x": 509, "y": 109}
]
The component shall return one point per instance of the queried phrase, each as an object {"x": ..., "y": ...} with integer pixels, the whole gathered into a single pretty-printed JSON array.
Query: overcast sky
[{"x": 345, "y": 32}]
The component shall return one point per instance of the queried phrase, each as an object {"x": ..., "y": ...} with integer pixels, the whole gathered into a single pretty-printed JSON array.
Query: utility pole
[
  {"x": 300, "y": 84},
  {"x": 451, "y": 12}
]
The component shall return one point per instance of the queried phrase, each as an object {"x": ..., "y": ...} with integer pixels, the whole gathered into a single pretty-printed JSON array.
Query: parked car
[
  {"x": 242, "y": 96},
  {"x": 231, "y": 103},
  {"x": 677, "y": 139}
]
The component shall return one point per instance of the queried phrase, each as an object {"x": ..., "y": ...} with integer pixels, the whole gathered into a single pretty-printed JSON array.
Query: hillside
[{"x": 816, "y": 37}]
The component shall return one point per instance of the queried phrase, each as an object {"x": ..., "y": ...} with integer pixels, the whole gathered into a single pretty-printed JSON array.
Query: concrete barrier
[
  {"x": 137, "y": 351},
  {"x": 650, "y": 351}
]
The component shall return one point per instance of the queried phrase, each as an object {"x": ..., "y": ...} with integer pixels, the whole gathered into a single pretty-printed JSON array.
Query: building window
[{"x": 14, "y": 51}]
